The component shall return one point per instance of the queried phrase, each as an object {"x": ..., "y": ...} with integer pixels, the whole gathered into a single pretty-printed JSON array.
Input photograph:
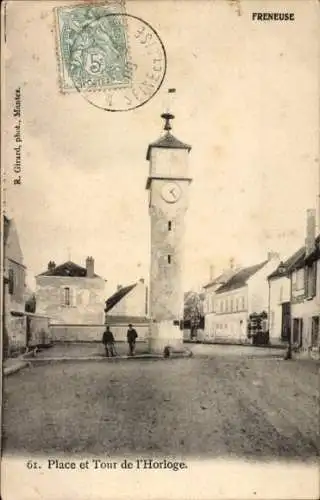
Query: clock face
[{"x": 171, "y": 192}]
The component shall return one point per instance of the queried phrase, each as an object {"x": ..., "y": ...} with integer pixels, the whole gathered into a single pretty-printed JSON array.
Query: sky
[{"x": 246, "y": 101}]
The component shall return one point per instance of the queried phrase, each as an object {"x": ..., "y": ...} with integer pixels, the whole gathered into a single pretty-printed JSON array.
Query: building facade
[
  {"x": 305, "y": 292},
  {"x": 244, "y": 293},
  {"x": 71, "y": 294},
  {"x": 14, "y": 268},
  {"x": 14, "y": 287},
  {"x": 279, "y": 314},
  {"x": 168, "y": 186},
  {"x": 128, "y": 301},
  {"x": 209, "y": 304}
]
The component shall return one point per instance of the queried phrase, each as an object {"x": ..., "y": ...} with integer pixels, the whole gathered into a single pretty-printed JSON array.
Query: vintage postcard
[{"x": 160, "y": 249}]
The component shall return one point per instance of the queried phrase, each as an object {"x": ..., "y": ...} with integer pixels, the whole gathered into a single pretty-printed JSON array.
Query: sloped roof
[
  {"x": 117, "y": 296},
  {"x": 68, "y": 268},
  {"x": 167, "y": 141},
  {"x": 222, "y": 278},
  {"x": 284, "y": 267},
  {"x": 240, "y": 279},
  {"x": 296, "y": 260}
]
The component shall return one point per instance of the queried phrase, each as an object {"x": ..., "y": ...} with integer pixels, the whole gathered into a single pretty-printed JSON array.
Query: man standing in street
[
  {"x": 131, "y": 337},
  {"x": 108, "y": 342}
]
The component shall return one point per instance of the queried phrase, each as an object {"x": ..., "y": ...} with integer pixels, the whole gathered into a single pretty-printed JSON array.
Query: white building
[
  {"x": 209, "y": 301},
  {"x": 128, "y": 302},
  {"x": 279, "y": 313},
  {"x": 244, "y": 293}
]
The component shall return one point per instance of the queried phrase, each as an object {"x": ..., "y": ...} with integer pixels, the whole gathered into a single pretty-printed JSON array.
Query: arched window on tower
[
  {"x": 169, "y": 225},
  {"x": 169, "y": 259}
]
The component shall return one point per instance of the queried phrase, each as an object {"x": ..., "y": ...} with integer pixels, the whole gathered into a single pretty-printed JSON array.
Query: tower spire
[{"x": 168, "y": 116}]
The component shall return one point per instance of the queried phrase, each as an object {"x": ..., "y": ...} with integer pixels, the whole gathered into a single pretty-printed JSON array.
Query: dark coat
[
  {"x": 108, "y": 337},
  {"x": 132, "y": 335}
]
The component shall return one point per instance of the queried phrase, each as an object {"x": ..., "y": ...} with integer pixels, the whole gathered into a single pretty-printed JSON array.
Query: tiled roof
[
  {"x": 222, "y": 278},
  {"x": 284, "y": 267},
  {"x": 68, "y": 268},
  {"x": 167, "y": 141},
  {"x": 117, "y": 296},
  {"x": 296, "y": 260},
  {"x": 240, "y": 278}
]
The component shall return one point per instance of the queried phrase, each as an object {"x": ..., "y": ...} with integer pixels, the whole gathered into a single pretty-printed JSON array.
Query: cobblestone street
[{"x": 223, "y": 402}]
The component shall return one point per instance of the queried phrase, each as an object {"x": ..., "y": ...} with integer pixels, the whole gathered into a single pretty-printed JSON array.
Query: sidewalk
[
  {"x": 13, "y": 365},
  {"x": 80, "y": 352}
]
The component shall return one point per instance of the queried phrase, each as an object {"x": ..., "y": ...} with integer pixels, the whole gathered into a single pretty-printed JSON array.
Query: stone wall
[
  {"x": 17, "y": 334},
  {"x": 93, "y": 333},
  {"x": 166, "y": 278},
  {"x": 39, "y": 330},
  {"x": 26, "y": 329}
]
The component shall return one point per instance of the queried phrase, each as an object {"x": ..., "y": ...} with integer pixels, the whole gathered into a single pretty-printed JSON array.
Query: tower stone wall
[{"x": 168, "y": 186}]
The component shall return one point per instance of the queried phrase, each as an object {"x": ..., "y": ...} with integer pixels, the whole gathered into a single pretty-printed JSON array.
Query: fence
[{"x": 93, "y": 333}]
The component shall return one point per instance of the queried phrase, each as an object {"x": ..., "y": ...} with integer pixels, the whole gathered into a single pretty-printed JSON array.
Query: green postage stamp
[{"x": 92, "y": 47}]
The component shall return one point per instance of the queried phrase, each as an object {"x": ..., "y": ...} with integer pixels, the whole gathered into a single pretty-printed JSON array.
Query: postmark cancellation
[{"x": 92, "y": 46}]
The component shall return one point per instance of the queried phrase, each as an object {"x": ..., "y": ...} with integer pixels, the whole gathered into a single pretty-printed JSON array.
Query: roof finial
[{"x": 167, "y": 116}]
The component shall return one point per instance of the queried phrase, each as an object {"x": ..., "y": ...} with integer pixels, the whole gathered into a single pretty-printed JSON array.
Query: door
[
  {"x": 286, "y": 321},
  {"x": 297, "y": 331},
  {"x": 315, "y": 331}
]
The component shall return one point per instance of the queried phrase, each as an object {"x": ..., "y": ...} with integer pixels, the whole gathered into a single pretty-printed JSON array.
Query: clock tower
[{"x": 168, "y": 185}]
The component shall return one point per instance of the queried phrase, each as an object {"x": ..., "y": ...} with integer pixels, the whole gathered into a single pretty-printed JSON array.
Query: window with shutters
[
  {"x": 300, "y": 277},
  {"x": 294, "y": 280},
  {"x": 67, "y": 297},
  {"x": 311, "y": 280}
]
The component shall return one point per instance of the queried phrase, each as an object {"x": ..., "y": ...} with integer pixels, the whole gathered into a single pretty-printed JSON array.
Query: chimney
[
  {"x": 51, "y": 265},
  {"x": 90, "y": 267},
  {"x": 273, "y": 255},
  {"x": 231, "y": 263},
  {"x": 141, "y": 280},
  {"x": 311, "y": 231},
  {"x": 119, "y": 287}
]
